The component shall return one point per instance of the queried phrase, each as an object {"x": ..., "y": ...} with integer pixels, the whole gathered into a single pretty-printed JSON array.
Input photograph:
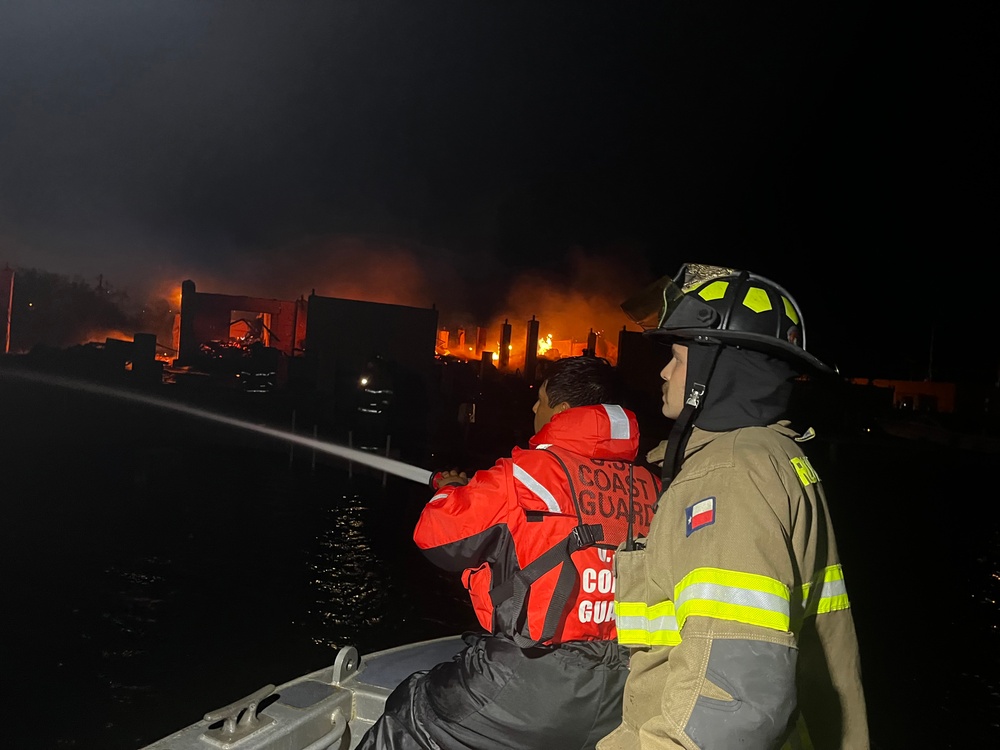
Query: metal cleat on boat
[{"x": 239, "y": 719}]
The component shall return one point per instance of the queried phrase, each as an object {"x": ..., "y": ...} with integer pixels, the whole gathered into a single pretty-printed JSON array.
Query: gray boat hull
[{"x": 329, "y": 709}]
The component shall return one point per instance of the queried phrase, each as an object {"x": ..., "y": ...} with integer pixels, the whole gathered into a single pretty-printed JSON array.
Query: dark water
[{"x": 158, "y": 566}]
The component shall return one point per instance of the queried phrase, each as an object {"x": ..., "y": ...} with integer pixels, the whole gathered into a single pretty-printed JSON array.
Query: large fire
[
  {"x": 456, "y": 344},
  {"x": 569, "y": 310}
]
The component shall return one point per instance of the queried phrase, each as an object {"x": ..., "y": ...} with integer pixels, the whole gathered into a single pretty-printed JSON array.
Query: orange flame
[{"x": 545, "y": 344}]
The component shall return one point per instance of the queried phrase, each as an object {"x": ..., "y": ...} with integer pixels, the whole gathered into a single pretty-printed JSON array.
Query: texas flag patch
[{"x": 699, "y": 515}]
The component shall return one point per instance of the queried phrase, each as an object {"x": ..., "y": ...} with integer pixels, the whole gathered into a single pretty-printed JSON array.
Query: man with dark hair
[
  {"x": 579, "y": 381},
  {"x": 736, "y": 605},
  {"x": 534, "y": 539}
]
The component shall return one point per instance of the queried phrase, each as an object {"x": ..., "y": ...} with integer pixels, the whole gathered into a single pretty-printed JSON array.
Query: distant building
[
  {"x": 227, "y": 317},
  {"x": 916, "y": 395},
  {"x": 346, "y": 336}
]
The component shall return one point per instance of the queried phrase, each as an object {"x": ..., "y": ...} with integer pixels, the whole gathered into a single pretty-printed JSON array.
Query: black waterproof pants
[{"x": 496, "y": 696}]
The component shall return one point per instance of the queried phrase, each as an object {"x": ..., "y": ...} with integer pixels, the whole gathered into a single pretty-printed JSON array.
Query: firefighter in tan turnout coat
[{"x": 735, "y": 606}]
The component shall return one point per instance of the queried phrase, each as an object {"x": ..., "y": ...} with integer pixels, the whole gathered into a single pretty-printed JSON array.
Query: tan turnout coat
[{"x": 737, "y": 609}]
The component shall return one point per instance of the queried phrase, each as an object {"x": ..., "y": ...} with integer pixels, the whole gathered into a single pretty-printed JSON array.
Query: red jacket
[{"x": 509, "y": 515}]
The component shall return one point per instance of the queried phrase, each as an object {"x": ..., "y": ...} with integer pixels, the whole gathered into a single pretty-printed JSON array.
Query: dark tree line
[{"x": 52, "y": 310}]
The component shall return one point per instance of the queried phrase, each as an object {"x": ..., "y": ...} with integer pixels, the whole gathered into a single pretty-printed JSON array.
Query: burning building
[
  {"x": 228, "y": 319},
  {"x": 516, "y": 347}
]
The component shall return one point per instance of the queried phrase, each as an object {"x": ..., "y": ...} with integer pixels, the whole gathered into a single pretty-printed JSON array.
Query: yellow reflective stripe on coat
[
  {"x": 832, "y": 595},
  {"x": 723, "y": 594},
  {"x": 639, "y": 624},
  {"x": 726, "y": 595},
  {"x": 730, "y": 595}
]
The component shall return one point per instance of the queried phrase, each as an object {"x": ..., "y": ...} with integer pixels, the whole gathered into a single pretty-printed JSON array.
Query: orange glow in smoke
[{"x": 174, "y": 298}]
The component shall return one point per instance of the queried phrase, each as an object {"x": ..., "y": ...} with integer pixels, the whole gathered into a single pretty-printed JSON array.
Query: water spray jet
[{"x": 381, "y": 463}]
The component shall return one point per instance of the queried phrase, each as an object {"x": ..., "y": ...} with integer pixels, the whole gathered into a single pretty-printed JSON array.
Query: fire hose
[{"x": 382, "y": 463}]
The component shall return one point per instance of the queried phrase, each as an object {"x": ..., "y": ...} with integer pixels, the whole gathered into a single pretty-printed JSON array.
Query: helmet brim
[{"x": 795, "y": 355}]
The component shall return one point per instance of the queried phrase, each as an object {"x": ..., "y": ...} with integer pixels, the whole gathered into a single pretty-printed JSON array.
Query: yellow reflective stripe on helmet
[
  {"x": 832, "y": 595},
  {"x": 757, "y": 300},
  {"x": 730, "y": 595},
  {"x": 790, "y": 310},
  {"x": 713, "y": 290},
  {"x": 640, "y": 624}
]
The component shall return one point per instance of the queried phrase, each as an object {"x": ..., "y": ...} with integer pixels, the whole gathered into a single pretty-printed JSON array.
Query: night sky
[{"x": 464, "y": 153}]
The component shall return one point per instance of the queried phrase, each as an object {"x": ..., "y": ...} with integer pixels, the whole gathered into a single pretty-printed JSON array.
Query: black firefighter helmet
[{"x": 719, "y": 305}]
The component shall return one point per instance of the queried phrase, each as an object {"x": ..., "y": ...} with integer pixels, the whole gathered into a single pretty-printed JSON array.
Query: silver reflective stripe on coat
[
  {"x": 537, "y": 488},
  {"x": 620, "y": 429},
  {"x": 638, "y": 627},
  {"x": 717, "y": 593},
  {"x": 832, "y": 592}
]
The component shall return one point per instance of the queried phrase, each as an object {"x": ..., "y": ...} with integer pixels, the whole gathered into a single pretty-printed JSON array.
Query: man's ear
[{"x": 561, "y": 407}]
